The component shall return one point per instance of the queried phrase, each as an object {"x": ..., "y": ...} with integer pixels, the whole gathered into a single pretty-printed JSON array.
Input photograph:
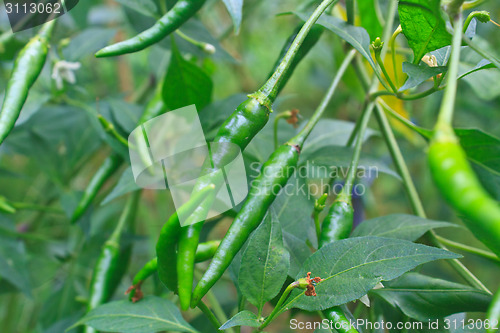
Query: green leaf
[
  {"x": 423, "y": 26},
  {"x": 351, "y": 267},
  {"x": 422, "y": 297},
  {"x": 151, "y": 314},
  {"x": 293, "y": 207},
  {"x": 299, "y": 252},
  {"x": 369, "y": 18},
  {"x": 186, "y": 84},
  {"x": 265, "y": 263},
  {"x": 243, "y": 318},
  {"x": 356, "y": 36},
  {"x": 87, "y": 42},
  {"x": 235, "y": 8},
  {"x": 327, "y": 162},
  {"x": 126, "y": 184},
  {"x": 418, "y": 74},
  {"x": 145, "y": 7},
  {"x": 402, "y": 226}
]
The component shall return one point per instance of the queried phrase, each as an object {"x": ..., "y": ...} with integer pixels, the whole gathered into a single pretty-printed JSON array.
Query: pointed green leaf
[
  {"x": 235, "y": 7},
  {"x": 243, "y": 318},
  {"x": 422, "y": 297},
  {"x": 186, "y": 84},
  {"x": 402, "y": 226},
  {"x": 151, "y": 314},
  {"x": 418, "y": 74},
  {"x": 351, "y": 267},
  {"x": 423, "y": 26},
  {"x": 265, "y": 263}
]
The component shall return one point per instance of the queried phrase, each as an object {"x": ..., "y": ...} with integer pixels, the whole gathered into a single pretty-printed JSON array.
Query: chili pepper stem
[
  {"x": 205, "y": 47},
  {"x": 380, "y": 62},
  {"x": 277, "y": 308},
  {"x": 392, "y": 45},
  {"x": 450, "y": 93},
  {"x": 210, "y": 315},
  {"x": 269, "y": 89},
  {"x": 304, "y": 133},
  {"x": 349, "y": 181},
  {"x": 284, "y": 114}
]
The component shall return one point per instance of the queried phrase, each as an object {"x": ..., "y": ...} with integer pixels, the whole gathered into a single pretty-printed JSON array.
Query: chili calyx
[
  {"x": 309, "y": 284},
  {"x": 136, "y": 292}
]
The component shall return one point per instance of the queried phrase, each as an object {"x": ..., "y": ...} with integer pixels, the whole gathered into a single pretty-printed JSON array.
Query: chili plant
[{"x": 372, "y": 206}]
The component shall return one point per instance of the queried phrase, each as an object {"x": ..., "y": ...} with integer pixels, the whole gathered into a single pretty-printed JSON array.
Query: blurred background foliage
[{"x": 57, "y": 145}]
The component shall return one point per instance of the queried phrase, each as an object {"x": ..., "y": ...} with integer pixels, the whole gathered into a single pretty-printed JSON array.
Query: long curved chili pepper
[
  {"x": 205, "y": 251},
  {"x": 182, "y": 11},
  {"x": 493, "y": 314},
  {"x": 113, "y": 260},
  {"x": 450, "y": 169},
  {"x": 27, "y": 67},
  {"x": 165, "y": 247},
  {"x": 112, "y": 163},
  {"x": 274, "y": 175},
  {"x": 239, "y": 129}
]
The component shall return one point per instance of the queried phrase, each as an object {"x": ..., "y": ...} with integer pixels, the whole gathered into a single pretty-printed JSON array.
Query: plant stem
[
  {"x": 473, "y": 250},
  {"x": 425, "y": 133},
  {"x": 269, "y": 89},
  {"x": 304, "y": 133},
  {"x": 209, "y": 314},
  {"x": 109, "y": 128},
  {"x": 277, "y": 308},
  {"x": 284, "y": 114},
  {"x": 217, "y": 309},
  {"x": 384, "y": 71},
  {"x": 350, "y": 13},
  {"x": 450, "y": 93},
  {"x": 29, "y": 206},
  {"x": 481, "y": 52},
  {"x": 346, "y": 192},
  {"x": 392, "y": 44},
  {"x": 205, "y": 47},
  {"x": 130, "y": 206}
]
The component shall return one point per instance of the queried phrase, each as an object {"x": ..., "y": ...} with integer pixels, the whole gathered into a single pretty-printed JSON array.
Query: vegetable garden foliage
[{"x": 377, "y": 201}]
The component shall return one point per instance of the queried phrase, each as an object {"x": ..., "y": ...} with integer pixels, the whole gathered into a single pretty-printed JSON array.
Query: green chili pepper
[
  {"x": 274, "y": 175},
  {"x": 27, "y": 68},
  {"x": 165, "y": 247},
  {"x": 459, "y": 185},
  {"x": 239, "y": 129},
  {"x": 204, "y": 252},
  {"x": 113, "y": 260},
  {"x": 171, "y": 21},
  {"x": 107, "y": 169},
  {"x": 342, "y": 324},
  {"x": 450, "y": 170},
  {"x": 493, "y": 314},
  {"x": 154, "y": 108},
  {"x": 337, "y": 224}
]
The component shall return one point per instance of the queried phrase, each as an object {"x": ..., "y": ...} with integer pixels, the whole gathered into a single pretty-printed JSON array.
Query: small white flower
[{"x": 63, "y": 71}]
